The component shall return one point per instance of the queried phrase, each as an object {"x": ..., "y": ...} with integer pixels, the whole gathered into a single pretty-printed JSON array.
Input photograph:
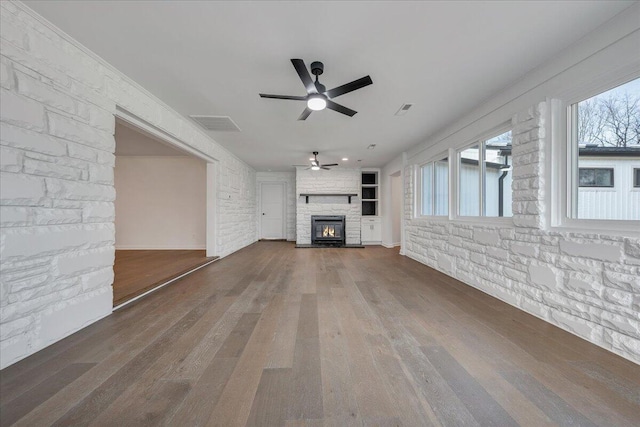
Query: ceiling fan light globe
[
  {"x": 315, "y": 168},
  {"x": 316, "y": 103}
]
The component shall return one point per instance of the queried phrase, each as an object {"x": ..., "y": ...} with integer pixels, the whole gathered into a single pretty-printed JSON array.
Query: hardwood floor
[
  {"x": 138, "y": 271},
  {"x": 274, "y": 336}
]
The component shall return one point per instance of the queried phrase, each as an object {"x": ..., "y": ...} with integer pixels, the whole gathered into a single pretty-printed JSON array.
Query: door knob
[{"x": 262, "y": 213}]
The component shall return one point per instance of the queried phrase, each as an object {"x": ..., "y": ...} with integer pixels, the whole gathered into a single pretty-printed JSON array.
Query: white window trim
[
  {"x": 419, "y": 192},
  {"x": 595, "y": 187},
  {"x": 634, "y": 187},
  {"x": 562, "y": 186},
  {"x": 454, "y": 181}
]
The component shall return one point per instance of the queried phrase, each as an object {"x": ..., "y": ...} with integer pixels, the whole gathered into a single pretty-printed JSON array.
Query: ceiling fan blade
[
  {"x": 322, "y": 167},
  {"x": 331, "y": 164},
  {"x": 295, "y": 98},
  {"x": 340, "y": 108},
  {"x": 349, "y": 87},
  {"x": 305, "y": 114},
  {"x": 307, "y": 81}
]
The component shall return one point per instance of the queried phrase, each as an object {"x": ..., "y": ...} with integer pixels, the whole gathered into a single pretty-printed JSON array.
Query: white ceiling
[{"x": 213, "y": 58}]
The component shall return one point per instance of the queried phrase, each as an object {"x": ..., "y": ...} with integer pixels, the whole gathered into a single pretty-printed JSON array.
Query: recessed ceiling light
[{"x": 344, "y": 159}]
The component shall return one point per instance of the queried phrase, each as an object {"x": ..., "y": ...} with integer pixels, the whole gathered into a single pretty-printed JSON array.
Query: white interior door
[{"x": 272, "y": 210}]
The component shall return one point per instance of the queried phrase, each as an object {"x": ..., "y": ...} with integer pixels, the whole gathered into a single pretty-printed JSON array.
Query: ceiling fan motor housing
[{"x": 317, "y": 68}]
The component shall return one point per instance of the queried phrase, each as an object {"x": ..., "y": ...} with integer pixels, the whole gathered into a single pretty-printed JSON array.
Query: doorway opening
[{"x": 161, "y": 213}]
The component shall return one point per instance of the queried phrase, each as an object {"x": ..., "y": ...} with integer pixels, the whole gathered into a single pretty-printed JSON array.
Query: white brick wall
[
  {"x": 585, "y": 283},
  {"x": 336, "y": 180},
  {"x": 56, "y": 184},
  {"x": 289, "y": 178}
]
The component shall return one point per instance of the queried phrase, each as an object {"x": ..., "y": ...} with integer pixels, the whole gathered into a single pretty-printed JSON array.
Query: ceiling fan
[
  {"x": 315, "y": 164},
  {"x": 318, "y": 97}
]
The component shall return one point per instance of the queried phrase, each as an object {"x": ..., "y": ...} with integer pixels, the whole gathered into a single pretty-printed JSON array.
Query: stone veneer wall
[
  {"x": 289, "y": 178},
  {"x": 588, "y": 284},
  {"x": 57, "y": 213},
  {"x": 336, "y": 180}
]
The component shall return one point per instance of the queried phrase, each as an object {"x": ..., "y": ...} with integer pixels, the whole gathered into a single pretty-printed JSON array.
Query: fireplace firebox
[{"x": 327, "y": 230}]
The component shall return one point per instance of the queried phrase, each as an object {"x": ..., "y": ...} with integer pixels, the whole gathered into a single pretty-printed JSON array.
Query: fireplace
[{"x": 327, "y": 230}]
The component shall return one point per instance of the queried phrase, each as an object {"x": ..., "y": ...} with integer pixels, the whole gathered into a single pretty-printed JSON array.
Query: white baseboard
[
  {"x": 159, "y": 248},
  {"x": 391, "y": 246}
]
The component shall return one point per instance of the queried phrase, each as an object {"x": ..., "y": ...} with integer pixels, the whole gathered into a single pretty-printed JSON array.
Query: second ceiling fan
[
  {"x": 318, "y": 97},
  {"x": 315, "y": 164}
]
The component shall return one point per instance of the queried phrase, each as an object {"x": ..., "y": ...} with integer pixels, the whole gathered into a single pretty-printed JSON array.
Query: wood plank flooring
[
  {"x": 136, "y": 272},
  {"x": 274, "y": 336}
]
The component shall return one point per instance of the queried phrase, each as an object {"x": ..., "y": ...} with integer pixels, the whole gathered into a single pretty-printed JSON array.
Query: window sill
[
  {"x": 484, "y": 220},
  {"x": 621, "y": 228},
  {"x": 436, "y": 218},
  {"x": 475, "y": 221}
]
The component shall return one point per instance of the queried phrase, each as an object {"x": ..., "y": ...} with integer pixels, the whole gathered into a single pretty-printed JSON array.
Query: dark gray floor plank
[
  {"x": 480, "y": 403},
  {"x": 196, "y": 408},
  {"x": 552, "y": 404},
  {"x": 165, "y": 398},
  {"x": 237, "y": 340},
  {"x": 15, "y": 409},
  {"x": 622, "y": 386},
  {"x": 272, "y": 398}
]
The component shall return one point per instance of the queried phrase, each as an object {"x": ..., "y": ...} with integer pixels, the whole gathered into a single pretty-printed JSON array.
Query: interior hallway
[{"x": 272, "y": 335}]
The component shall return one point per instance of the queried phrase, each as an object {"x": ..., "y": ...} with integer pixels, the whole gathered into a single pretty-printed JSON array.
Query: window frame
[
  {"x": 420, "y": 191},
  {"x": 480, "y": 141},
  {"x": 594, "y": 168},
  {"x": 561, "y": 166},
  {"x": 635, "y": 177}
]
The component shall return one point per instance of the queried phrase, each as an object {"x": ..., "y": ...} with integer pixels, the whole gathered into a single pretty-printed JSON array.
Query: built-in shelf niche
[{"x": 370, "y": 192}]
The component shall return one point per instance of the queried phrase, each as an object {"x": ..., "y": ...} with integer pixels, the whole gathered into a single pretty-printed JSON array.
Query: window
[
  {"x": 636, "y": 177},
  {"x": 435, "y": 187},
  {"x": 469, "y": 167},
  {"x": 485, "y": 175},
  {"x": 604, "y": 136},
  {"x": 595, "y": 177}
]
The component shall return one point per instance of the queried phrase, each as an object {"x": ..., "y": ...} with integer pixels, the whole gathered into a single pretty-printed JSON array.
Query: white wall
[
  {"x": 289, "y": 179},
  {"x": 386, "y": 206},
  {"x": 57, "y": 191},
  {"x": 586, "y": 282},
  {"x": 338, "y": 181},
  {"x": 396, "y": 208},
  {"x": 160, "y": 202}
]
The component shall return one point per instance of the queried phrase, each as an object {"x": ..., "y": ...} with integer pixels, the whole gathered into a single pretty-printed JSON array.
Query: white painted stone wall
[
  {"x": 57, "y": 214},
  {"x": 336, "y": 180},
  {"x": 289, "y": 178},
  {"x": 588, "y": 284}
]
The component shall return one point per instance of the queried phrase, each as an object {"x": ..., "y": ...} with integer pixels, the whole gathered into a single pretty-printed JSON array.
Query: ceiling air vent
[
  {"x": 403, "y": 109},
  {"x": 217, "y": 123}
]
